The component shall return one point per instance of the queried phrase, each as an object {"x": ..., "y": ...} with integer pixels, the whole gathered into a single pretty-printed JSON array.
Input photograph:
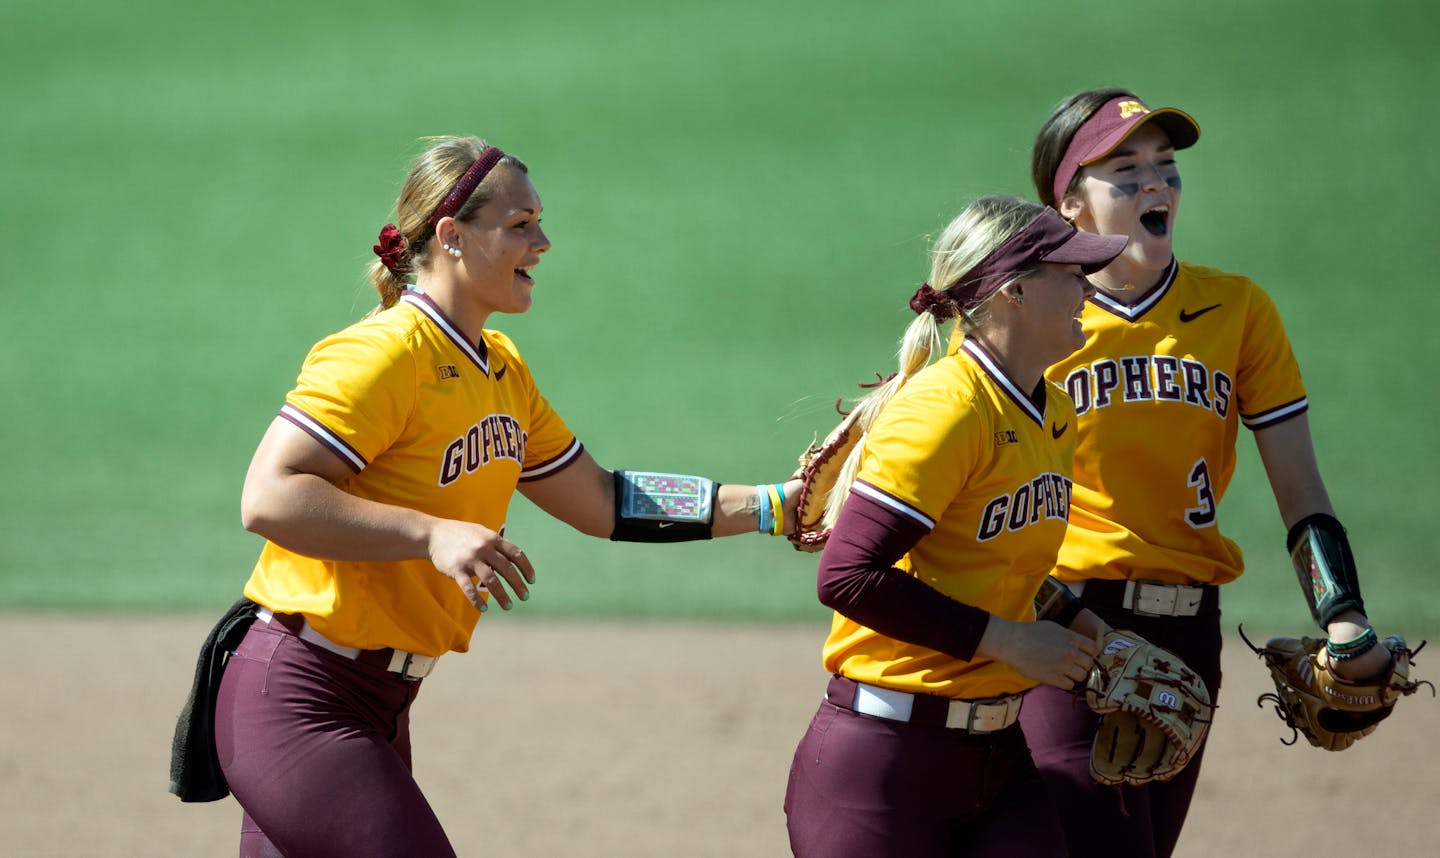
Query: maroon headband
[
  {"x": 1046, "y": 238},
  {"x": 1109, "y": 126},
  {"x": 467, "y": 184}
]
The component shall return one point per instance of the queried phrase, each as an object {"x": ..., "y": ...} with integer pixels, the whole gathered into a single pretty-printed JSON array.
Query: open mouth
[
  {"x": 1156, "y": 221},
  {"x": 524, "y": 274}
]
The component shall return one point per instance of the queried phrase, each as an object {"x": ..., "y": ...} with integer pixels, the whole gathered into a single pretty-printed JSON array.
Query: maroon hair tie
[
  {"x": 933, "y": 301},
  {"x": 467, "y": 184},
  {"x": 392, "y": 250}
]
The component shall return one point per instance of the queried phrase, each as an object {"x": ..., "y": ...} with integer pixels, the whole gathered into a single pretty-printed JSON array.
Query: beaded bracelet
[{"x": 1352, "y": 649}]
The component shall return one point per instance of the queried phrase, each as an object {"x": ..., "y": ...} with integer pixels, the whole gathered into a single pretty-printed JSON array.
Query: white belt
[
  {"x": 408, "y": 665},
  {"x": 974, "y": 716},
  {"x": 1154, "y": 599}
]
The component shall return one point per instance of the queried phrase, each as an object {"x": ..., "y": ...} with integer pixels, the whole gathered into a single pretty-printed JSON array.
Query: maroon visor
[
  {"x": 1108, "y": 127},
  {"x": 1047, "y": 238}
]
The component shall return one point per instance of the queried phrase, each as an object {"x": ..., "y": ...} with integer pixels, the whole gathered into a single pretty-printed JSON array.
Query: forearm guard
[
  {"x": 1320, "y": 552},
  {"x": 1056, "y": 603},
  {"x": 651, "y": 507}
]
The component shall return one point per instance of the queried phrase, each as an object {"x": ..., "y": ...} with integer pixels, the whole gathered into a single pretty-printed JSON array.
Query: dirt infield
[{"x": 612, "y": 740}]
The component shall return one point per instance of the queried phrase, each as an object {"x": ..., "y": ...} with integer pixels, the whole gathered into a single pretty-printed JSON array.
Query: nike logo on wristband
[
  {"x": 1190, "y": 317},
  {"x": 1057, "y": 431}
]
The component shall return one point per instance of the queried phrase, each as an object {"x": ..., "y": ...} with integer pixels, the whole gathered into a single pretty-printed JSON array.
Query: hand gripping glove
[
  {"x": 1331, "y": 712},
  {"x": 820, "y": 469},
  {"x": 1154, "y": 711}
]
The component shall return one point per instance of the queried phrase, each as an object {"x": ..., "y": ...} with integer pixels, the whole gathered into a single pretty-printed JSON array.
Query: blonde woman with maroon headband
[
  {"x": 382, "y": 489},
  {"x": 1176, "y": 358},
  {"x": 953, "y": 514}
]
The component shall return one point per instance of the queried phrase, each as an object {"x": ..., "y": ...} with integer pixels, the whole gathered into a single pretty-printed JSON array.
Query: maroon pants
[
  {"x": 1100, "y": 820},
  {"x": 867, "y": 787},
  {"x": 316, "y": 748}
]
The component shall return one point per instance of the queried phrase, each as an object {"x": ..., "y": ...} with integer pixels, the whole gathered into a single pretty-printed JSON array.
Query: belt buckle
[
  {"x": 1163, "y": 597},
  {"x": 993, "y": 712},
  {"x": 422, "y": 665}
]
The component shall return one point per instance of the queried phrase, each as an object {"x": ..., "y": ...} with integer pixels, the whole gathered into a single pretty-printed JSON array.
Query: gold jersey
[
  {"x": 1161, "y": 388},
  {"x": 426, "y": 420},
  {"x": 966, "y": 453}
]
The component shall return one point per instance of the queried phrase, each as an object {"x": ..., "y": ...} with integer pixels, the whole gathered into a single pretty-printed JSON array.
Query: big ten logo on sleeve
[{"x": 495, "y": 436}]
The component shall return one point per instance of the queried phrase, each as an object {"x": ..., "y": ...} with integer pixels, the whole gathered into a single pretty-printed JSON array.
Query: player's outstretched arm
[{"x": 654, "y": 507}]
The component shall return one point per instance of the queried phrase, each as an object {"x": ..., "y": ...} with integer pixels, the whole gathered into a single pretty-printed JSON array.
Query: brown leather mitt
[
  {"x": 1332, "y": 713},
  {"x": 1155, "y": 711},
  {"x": 820, "y": 467}
]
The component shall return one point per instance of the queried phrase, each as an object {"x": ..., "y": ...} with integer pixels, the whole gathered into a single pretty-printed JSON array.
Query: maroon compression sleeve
[{"x": 858, "y": 578}]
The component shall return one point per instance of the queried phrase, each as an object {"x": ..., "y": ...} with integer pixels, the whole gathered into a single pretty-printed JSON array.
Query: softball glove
[
  {"x": 1331, "y": 712},
  {"x": 1155, "y": 711},
  {"x": 820, "y": 469}
]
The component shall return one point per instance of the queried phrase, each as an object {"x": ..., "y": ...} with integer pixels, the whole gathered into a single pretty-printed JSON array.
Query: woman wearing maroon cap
[
  {"x": 953, "y": 511},
  {"x": 1177, "y": 357}
]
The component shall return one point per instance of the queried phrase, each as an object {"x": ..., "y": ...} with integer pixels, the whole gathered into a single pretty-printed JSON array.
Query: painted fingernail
[
  {"x": 483, "y": 606},
  {"x": 525, "y": 596}
]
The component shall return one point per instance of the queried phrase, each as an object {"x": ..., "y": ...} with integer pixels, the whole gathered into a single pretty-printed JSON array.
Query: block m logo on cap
[{"x": 1130, "y": 108}]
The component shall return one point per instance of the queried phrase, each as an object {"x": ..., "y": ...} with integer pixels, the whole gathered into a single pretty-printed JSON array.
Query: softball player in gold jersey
[
  {"x": 957, "y": 508},
  {"x": 1176, "y": 358},
  {"x": 382, "y": 490}
]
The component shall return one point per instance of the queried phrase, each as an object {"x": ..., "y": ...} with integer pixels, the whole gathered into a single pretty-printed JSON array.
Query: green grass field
[{"x": 740, "y": 197}]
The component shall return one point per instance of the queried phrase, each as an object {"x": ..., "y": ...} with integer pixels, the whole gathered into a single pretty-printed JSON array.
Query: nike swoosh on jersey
[
  {"x": 1190, "y": 317},
  {"x": 500, "y": 373},
  {"x": 1057, "y": 431}
]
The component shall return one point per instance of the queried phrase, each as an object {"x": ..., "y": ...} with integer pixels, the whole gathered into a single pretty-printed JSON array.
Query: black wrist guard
[
  {"x": 651, "y": 507},
  {"x": 1320, "y": 552},
  {"x": 1056, "y": 603}
]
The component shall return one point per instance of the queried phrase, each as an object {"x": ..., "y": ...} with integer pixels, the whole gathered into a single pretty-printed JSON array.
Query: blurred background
[{"x": 740, "y": 197}]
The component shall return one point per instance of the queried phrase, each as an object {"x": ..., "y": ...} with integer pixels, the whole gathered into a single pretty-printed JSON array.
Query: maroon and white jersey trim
[
  {"x": 1131, "y": 312},
  {"x": 555, "y": 465},
  {"x": 982, "y": 357},
  {"x": 889, "y": 501},
  {"x": 317, "y": 430},
  {"x": 1269, "y": 418},
  {"x": 424, "y": 304}
]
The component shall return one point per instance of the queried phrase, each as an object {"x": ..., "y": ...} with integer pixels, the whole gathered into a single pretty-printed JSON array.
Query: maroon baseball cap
[{"x": 1108, "y": 127}]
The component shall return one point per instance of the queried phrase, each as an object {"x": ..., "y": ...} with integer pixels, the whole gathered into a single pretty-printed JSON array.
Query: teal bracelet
[
  {"x": 777, "y": 508},
  {"x": 767, "y": 512},
  {"x": 1353, "y": 649}
]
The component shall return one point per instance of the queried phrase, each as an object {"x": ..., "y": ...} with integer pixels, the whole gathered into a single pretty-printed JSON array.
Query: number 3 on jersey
[{"x": 1204, "y": 514}]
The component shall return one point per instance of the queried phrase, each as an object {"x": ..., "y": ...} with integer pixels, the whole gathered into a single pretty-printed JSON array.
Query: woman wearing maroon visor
[
  {"x": 954, "y": 512},
  {"x": 1176, "y": 358}
]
